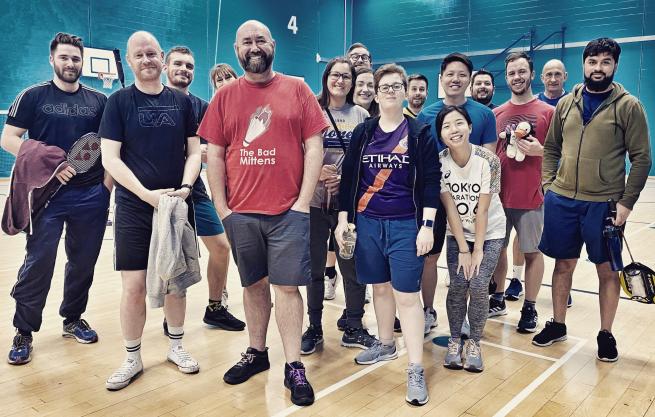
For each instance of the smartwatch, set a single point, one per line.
(428, 223)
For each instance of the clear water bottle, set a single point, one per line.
(349, 239)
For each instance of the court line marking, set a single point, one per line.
(370, 368)
(525, 392)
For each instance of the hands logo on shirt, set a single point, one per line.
(259, 122)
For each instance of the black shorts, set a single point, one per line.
(439, 231)
(132, 232)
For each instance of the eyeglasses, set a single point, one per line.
(385, 88)
(357, 57)
(336, 75)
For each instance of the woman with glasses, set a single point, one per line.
(364, 91)
(221, 75)
(475, 235)
(342, 115)
(390, 190)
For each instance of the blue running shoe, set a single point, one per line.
(514, 291)
(80, 331)
(21, 350)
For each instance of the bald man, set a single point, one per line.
(150, 147)
(268, 157)
(553, 76)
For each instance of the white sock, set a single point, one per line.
(133, 348)
(175, 335)
(517, 271)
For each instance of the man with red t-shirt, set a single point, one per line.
(267, 156)
(521, 124)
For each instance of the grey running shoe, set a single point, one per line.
(453, 358)
(417, 390)
(473, 361)
(430, 319)
(376, 353)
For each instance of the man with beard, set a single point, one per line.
(482, 88)
(553, 76)
(180, 67)
(150, 147)
(359, 56)
(57, 113)
(417, 92)
(456, 69)
(584, 166)
(520, 189)
(263, 164)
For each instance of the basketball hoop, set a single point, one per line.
(107, 79)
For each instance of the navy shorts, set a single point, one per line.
(569, 223)
(273, 246)
(386, 251)
(439, 230)
(207, 221)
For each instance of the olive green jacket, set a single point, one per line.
(587, 162)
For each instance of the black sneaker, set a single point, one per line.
(396, 325)
(497, 308)
(551, 333)
(217, 315)
(528, 321)
(342, 322)
(312, 337)
(606, 347)
(21, 350)
(358, 338)
(252, 362)
(295, 379)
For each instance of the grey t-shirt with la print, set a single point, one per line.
(346, 118)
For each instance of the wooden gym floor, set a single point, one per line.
(66, 378)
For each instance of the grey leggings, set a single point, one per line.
(477, 288)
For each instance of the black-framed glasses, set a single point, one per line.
(336, 75)
(358, 57)
(385, 88)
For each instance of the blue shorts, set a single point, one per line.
(569, 223)
(386, 251)
(207, 221)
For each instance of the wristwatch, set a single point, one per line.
(189, 186)
(428, 223)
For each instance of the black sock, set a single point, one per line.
(214, 302)
(531, 304)
(498, 296)
(25, 332)
(330, 272)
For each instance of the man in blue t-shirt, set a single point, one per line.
(150, 147)
(456, 70)
(180, 68)
(57, 113)
(553, 76)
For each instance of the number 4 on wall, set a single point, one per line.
(293, 26)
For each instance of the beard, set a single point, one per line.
(67, 77)
(526, 87)
(418, 101)
(260, 66)
(486, 100)
(601, 85)
(176, 82)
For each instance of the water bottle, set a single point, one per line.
(349, 239)
(613, 239)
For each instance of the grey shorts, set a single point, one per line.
(528, 224)
(276, 247)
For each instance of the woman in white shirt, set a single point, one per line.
(470, 183)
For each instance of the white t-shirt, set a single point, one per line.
(480, 175)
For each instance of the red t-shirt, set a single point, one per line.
(263, 128)
(521, 181)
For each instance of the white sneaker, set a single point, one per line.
(123, 376)
(180, 357)
(331, 287)
(367, 296)
(224, 297)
